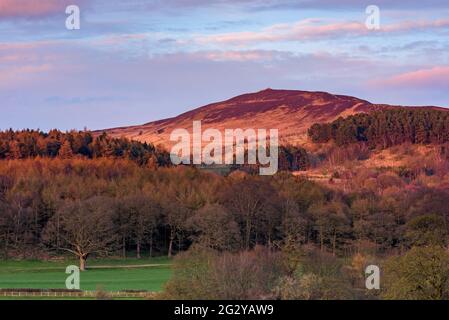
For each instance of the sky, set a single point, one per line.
(136, 61)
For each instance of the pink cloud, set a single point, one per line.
(33, 8)
(435, 77)
(302, 30)
(311, 29)
(241, 56)
(22, 74)
(416, 25)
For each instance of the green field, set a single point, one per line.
(107, 274)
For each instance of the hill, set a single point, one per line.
(290, 111)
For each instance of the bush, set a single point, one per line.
(421, 274)
(205, 274)
(307, 287)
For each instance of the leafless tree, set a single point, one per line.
(85, 227)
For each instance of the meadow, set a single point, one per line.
(107, 274)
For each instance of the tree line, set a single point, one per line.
(383, 129)
(66, 145)
(105, 206)
(26, 144)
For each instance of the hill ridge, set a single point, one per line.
(292, 112)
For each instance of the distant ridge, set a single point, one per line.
(292, 112)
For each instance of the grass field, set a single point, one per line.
(108, 274)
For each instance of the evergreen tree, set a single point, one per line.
(65, 152)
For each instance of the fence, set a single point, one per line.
(74, 293)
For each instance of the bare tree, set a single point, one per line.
(248, 199)
(215, 228)
(180, 200)
(145, 215)
(85, 227)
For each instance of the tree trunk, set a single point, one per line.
(151, 246)
(6, 245)
(83, 262)
(57, 231)
(170, 245)
(321, 239)
(124, 247)
(248, 234)
(138, 249)
(170, 248)
(334, 244)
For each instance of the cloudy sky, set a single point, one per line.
(136, 61)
